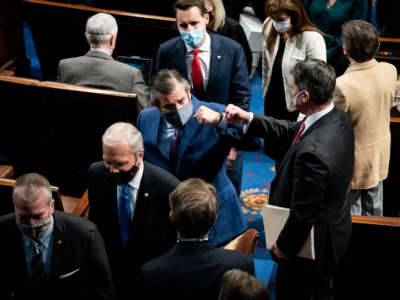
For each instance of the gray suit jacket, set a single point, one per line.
(99, 70)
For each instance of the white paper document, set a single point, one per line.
(274, 218)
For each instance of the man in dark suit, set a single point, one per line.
(313, 180)
(218, 73)
(97, 68)
(192, 269)
(176, 141)
(48, 254)
(129, 203)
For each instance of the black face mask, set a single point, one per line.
(210, 16)
(124, 177)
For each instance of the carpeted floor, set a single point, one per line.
(258, 172)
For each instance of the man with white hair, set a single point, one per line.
(48, 254)
(97, 68)
(128, 200)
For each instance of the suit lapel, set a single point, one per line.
(144, 195)
(179, 60)
(60, 240)
(314, 126)
(215, 61)
(191, 127)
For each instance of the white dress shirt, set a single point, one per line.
(204, 57)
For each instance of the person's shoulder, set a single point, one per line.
(97, 167)
(160, 175)
(233, 257)
(147, 113)
(156, 264)
(7, 219)
(389, 68)
(74, 225)
(171, 43)
(311, 35)
(225, 41)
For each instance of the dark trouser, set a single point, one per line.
(303, 279)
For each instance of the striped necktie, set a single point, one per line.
(38, 276)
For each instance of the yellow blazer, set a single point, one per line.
(366, 92)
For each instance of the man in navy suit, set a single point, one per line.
(222, 61)
(176, 141)
(192, 269)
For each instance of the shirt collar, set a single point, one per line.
(203, 48)
(45, 239)
(135, 182)
(100, 50)
(315, 117)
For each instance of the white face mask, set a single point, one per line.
(282, 26)
(294, 98)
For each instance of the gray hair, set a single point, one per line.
(100, 28)
(219, 14)
(122, 132)
(29, 186)
(164, 82)
(316, 77)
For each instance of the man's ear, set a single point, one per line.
(306, 97)
(113, 41)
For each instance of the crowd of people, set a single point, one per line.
(164, 200)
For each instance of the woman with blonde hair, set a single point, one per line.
(288, 37)
(221, 24)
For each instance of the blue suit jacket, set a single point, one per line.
(202, 153)
(228, 80)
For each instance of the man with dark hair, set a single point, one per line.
(128, 200)
(97, 68)
(312, 180)
(176, 140)
(48, 254)
(192, 269)
(366, 93)
(215, 66)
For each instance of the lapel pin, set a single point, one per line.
(218, 56)
(59, 242)
(146, 195)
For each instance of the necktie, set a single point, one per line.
(302, 126)
(173, 148)
(197, 77)
(124, 214)
(38, 279)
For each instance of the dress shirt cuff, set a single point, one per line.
(248, 123)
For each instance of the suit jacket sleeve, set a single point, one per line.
(340, 99)
(140, 89)
(310, 180)
(277, 134)
(99, 282)
(240, 93)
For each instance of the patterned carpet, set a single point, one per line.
(258, 173)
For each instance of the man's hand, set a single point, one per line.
(231, 157)
(236, 115)
(275, 250)
(205, 115)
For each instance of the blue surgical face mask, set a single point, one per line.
(192, 38)
(282, 26)
(178, 118)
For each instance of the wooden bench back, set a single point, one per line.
(58, 32)
(55, 129)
